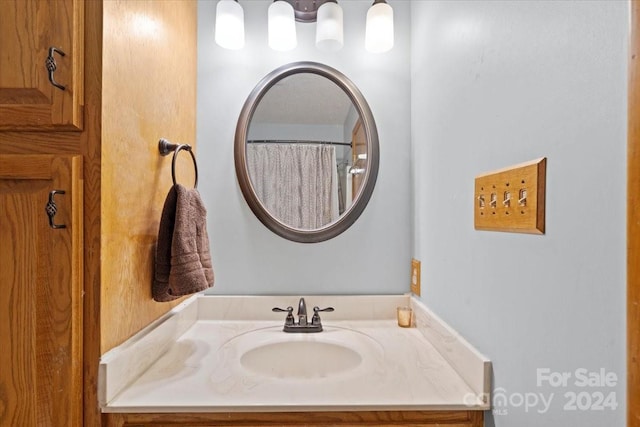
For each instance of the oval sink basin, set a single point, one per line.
(331, 354)
(300, 359)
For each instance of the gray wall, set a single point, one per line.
(495, 84)
(373, 255)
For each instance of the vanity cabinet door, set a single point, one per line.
(40, 291)
(28, 99)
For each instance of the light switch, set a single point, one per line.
(503, 212)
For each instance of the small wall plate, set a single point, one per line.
(415, 276)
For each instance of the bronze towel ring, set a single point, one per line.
(167, 147)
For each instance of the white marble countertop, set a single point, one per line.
(198, 369)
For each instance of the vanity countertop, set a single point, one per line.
(188, 362)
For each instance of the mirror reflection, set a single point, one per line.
(306, 151)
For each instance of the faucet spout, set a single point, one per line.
(302, 312)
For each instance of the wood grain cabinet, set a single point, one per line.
(40, 291)
(129, 77)
(28, 31)
(299, 419)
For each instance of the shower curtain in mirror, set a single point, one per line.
(297, 183)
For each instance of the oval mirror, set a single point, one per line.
(306, 152)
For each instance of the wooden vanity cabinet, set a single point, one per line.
(28, 99)
(315, 419)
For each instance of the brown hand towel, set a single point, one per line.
(183, 259)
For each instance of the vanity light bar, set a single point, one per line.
(282, 15)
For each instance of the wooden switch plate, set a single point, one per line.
(512, 199)
(415, 276)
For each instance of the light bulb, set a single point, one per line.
(329, 33)
(282, 26)
(229, 32)
(379, 30)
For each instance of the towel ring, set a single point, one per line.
(165, 147)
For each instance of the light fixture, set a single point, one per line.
(379, 30)
(329, 32)
(282, 26)
(229, 32)
(282, 17)
(355, 170)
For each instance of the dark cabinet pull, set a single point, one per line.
(51, 66)
(52, 209)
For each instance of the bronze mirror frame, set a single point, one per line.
(240, 153)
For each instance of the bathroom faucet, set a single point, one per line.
(303, 324)
(302, 312)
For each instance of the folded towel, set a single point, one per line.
(183, 259)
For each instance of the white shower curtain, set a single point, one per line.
(297, 183)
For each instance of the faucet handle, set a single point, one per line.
(315, 320)
(289, 320)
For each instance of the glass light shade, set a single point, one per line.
(229, 24)
(329, 33)
(379, 30)
(282, 26)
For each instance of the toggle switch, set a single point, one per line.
(522, 197)
(506, 202)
